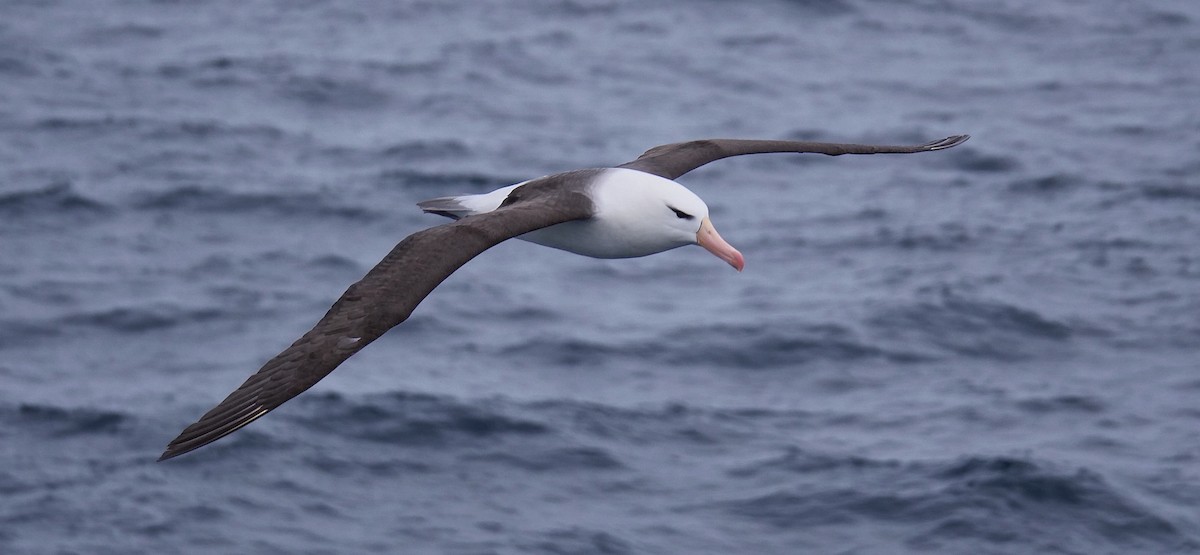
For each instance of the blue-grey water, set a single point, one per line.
(991, 349)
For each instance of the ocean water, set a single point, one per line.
(991, 349)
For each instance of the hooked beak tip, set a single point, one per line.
(738, 263)
(708, 238)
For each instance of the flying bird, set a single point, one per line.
(635, 209)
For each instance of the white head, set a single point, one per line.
(652, 214)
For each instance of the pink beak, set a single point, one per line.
(708, 238)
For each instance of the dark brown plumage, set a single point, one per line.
(675, 159)
(381, 300)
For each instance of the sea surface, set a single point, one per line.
(993, 349)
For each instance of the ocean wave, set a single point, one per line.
(51, 292)
(193, 129)
(1000, 17)
(571, 352)
(825, 7)
(1055, 498)
(774, 344)
(743, 346)
(15, 67)
(247, 271)
(943, 237)
(859, 215)
(225, 70)
(58, 199)
(795, 461)
(329, 92)
(333, 463)
(570, 433)
(142, 318)
(1047, 184)
(109, 35)
(209, 200)
(441, 183)
(557, 459)
(409, 150)
(1171, 192)
(995, 499)
(104, 124)
(583, 541)
(672, 423)
(1086, 404)
(413, 419)
(974, 327)
(21, 330)
(494, 434)
(971, 160)
(10, 484)
(173, 146)
(62, 422)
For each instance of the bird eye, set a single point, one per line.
(681, 214)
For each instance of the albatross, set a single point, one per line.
(631, 210)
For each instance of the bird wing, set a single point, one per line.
(379, 301)
(675, 159)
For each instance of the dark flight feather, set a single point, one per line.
(675, 159)
(382, 299)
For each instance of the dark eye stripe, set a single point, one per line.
(681, 213)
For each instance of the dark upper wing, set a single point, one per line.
(673, 160)
(380, 300)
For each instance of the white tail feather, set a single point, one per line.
(467, 205)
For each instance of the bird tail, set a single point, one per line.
(450, 207)
(466, 205)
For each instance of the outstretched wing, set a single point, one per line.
(675, 159)
(379, 301)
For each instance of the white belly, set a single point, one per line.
(595, 239)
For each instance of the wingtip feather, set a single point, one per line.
(196, 436)
(949, 142)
